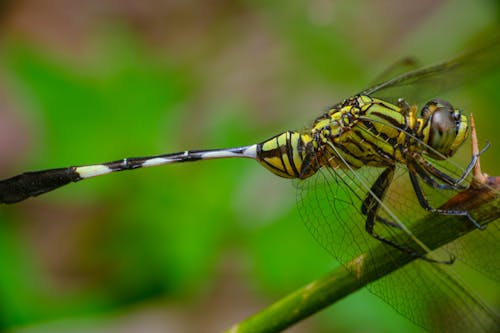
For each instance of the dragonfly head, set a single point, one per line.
(445, 128)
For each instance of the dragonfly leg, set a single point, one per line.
(369, 227)
(453, 183)
(371, 205)
(369, 202)
(428, 172)
(425, 203)
(471, 165)
(370, 208)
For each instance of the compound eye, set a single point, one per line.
(445, 123)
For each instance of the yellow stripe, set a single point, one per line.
(269, 145)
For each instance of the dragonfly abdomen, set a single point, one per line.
(288, 155)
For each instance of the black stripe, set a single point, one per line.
(386, 155)
(127, 164)
(281, 154)
(272, 166)
(268, 153)
(347, 152)
(357, 144)
(275, 152)
(289, 153)
(389, 105)
(431, 130)
(360, 158)
(308, 165)
(393, 142)
(189, 158)
(389, 119)
(369, 126)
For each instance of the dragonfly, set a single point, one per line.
(363, 170)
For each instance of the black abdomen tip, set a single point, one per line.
(31, 184)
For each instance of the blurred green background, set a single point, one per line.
(190, 247)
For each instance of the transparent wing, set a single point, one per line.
(432, 298)
(432, 81)
(402, 66)
(330, 204)
(479, 250)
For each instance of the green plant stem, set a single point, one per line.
(482, 202)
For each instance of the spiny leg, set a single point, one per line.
(371, 205)
(378, 189)
(451, 183)
(425, 203)
(472, 163)
(428, 177)
(370, 208)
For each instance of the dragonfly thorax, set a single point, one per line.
(362, 131)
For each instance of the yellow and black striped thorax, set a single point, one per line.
(365, 131)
